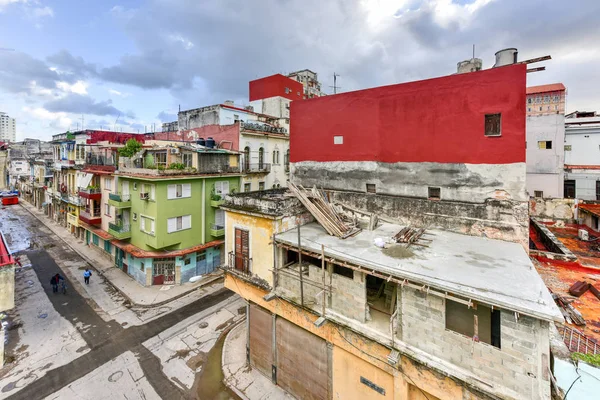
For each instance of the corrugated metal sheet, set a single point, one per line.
(261, 339)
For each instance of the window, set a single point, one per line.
(597, 190)
(107, 183)
(95, 239)
(246, 158)
(529, 100)
(135, 216)
(338, 140)
(556, 98)
(493, 125)
(261, 158)
(287, 90)
(538, 193)
(179, 191)
(222, 188)
(538, 99)
(371, 188)
(107, 209)
(236, 117)
(247, 187)
(545, 144)
(261, 186)
(134, 185)
(142, 266)
(275, 156)
(343, 271)
(179, 223)
(160, 159)
(570, 189)
(567, 147)
(147, 225)
(529, 109)
(546, 99)
(187, 160)
(540, 108)
(478, 322)
(434, 193)
(150, 189)
(187, 261)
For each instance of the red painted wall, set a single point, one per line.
(225, 136)
(275, 85)
(435, 120)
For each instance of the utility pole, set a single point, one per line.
(335, 86)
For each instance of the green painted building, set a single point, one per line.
(168, 225)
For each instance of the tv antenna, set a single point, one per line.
(335, 86)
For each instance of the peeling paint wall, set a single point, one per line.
(553, 209)
(198, 117)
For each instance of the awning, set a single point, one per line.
(85, 180)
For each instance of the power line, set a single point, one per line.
(335, 87)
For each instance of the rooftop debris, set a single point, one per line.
(411, 236)
(324, 212)
(579, 288)
(595, 291)
(569, 312)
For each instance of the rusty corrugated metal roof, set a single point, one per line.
(553, 87)
(590, 208)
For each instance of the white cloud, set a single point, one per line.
(58, 119)
(4, 3)
(40, 12)
(117, 93)
(79, 87)
(187, 44)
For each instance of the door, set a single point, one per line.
(125, 190)
(261, 339)
(201, 264)
(87, 238)
(242, 250)
(119, 257)
(302, 365)
(163, 271)
(569, 189)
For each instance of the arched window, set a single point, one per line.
(275, 156)
(261, 158)
(286, 160)
(247, 158)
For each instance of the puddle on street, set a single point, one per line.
(209, 382)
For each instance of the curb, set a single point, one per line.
(101, 273)
(230, 386)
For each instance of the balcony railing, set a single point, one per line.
(119, 200)
(217, 230)
(240, 263)
(91, 217)
(258, 168)
(90, 191)
(120, 230)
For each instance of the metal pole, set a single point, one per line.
(323, 270)
(275, 263)
(300, 265)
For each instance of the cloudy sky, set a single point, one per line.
(130, 64)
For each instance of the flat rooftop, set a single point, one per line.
(490, 271)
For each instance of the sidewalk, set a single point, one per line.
(138, 295)
(243, 380)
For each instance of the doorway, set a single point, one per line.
(242, 250)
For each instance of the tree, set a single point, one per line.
(131, 147)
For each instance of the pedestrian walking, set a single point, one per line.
(86, 276)
(55, 281)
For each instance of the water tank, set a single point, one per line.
(506, 57)
(210, 143)
(201, 142)
(472, 65)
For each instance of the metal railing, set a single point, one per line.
(89, 215)
(90, 190)
(119, 197)
(256, 168)
(119, 227)
(577, 342)
(240, 263)
(217, 227)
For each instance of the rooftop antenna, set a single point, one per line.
(115, 124)
(473, 52)
(335, 87)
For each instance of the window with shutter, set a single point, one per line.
(187, 221)
(142, 224)
(171, 225)
(220, 218)
(152, 192)
(186, 190)
(178, 191)
(171, 191)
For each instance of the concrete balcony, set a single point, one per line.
(73, 219)
(217, 230)
(119, 200)
(92, 194)
(120, 231)
(94, 218)
(217, 203)
(258, 168)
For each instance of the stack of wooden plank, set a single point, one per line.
(319, 206)
(411, 236)
(572, 316)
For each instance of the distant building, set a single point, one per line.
(276, 86)
(170, 126)
(8, 128)
(582, 155)
(545, 140)
(310, 81)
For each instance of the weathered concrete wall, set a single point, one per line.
(349, 296)
(519, 365)
(7, 288)
(497, 219)
(553, 209)
(473, 183)
(585, 182)
(198, 117)
(545, 167)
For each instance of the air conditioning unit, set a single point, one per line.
(584, 235)
(174, 151)
(144, 196)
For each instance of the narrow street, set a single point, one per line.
(105, 349)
